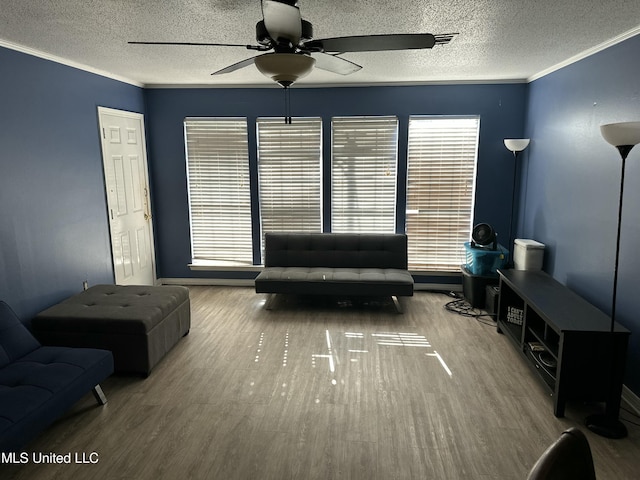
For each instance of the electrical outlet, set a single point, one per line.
(85, 285)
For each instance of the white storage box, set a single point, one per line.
(528, 254)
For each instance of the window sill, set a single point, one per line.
(219, 266)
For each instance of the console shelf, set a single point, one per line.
(565, 339)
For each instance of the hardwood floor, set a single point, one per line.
(321, 390)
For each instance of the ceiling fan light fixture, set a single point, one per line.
(284, 68)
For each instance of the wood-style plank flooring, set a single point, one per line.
(314, 389)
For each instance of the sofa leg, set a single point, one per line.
(99, 394)
(396, 302)
(268, 303)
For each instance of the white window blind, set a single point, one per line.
(289, 157)
(442, 157)
(219, 196)
(363, 174)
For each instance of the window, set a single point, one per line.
(363, 171)
(441, 165)
(442, 156)
(289, 157)
(219, 190)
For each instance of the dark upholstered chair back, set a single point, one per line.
(337, 250)
(568, 457)
(15, 340)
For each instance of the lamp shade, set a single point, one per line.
(516, 144)
(284, 68)
(623, 133)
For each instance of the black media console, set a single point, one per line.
(565, 339)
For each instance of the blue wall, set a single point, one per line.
(571, 182)
(500, 107)
(53, 229)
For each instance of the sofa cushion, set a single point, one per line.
(15, 339)
(334, 281)
(336, 250)
(344, 275)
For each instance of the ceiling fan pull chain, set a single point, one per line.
(287, 106)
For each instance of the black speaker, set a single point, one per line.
(491, 300)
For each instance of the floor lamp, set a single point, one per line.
(624, 136)
(515, 145)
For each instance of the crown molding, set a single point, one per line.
(586, 53)
(303, 85)
(69, 63)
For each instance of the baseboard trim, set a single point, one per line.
(447, 287)
(215, 282)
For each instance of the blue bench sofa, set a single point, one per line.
(38, 384)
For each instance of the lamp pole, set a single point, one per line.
(624, 136)
(515, 145)
(513, 206)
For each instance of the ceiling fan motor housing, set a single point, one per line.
(263, 38)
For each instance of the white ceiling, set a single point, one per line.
(499, 40)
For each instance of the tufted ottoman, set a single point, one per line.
(139, 324)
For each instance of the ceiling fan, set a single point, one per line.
(292, 52)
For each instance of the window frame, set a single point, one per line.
(212, 154)
(365, 148)
(306, 203)
(449, 250)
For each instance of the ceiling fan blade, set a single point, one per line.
(373, 43)
(196, 44)
(282, 21)
(334, 64)
(235, 66)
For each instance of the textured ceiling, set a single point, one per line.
(499, 40)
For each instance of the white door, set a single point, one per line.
(124, 159)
